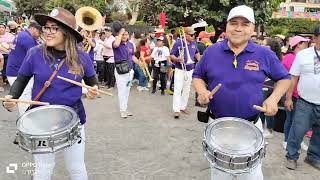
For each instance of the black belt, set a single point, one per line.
(183, 70)
(252, 119)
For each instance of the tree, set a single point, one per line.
(187, 12)
(29, 7)
(74, 5)
(133, 7)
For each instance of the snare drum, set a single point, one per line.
(48, 129)
(233, 145)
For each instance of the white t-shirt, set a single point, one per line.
(307, 66)
(98, 51)
(160, 54)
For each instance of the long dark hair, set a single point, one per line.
(275, 47)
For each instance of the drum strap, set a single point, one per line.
(48, 82)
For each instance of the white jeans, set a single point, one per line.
(254, 174)
(74, 161)
(181, 89)
(26, 95)
(124, 82)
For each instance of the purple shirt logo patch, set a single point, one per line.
(252, 65)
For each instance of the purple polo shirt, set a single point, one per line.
(242, 86)
(193, 50)
(59, 92)
(125, 51)
(23, 42)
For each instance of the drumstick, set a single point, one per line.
(259, 108)
(25, 101)
(214, 90)
(83, 85)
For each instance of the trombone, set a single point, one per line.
(89, 19)
(189, 60)
(181, 55)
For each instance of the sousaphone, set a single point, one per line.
(89, 19)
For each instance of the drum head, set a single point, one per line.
(233, 136)
(46, 120)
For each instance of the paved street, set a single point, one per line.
(151, 145)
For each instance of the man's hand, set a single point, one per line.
(122, 31)
(270, 106)
(204, 97)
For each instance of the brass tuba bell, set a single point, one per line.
(89, 19)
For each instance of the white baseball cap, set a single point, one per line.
(242, 11)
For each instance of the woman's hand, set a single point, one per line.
(92, 93)
(10, 106)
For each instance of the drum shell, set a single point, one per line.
(51, 141)
(232, 162)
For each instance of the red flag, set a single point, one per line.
(162, 19)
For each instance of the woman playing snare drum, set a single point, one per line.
(61, 45)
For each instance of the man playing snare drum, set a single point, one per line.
(241, 67)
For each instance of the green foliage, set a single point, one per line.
(141, 23)
(292, 26)
(74, 5)
(184, 12)
(211, 29)
(119, 16)
(29, 7)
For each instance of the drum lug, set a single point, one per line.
(231, 164)
(204, 146)
(249, 164)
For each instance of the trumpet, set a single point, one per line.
(89, 19)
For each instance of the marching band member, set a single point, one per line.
(90, 42)
(59, 53)
(25, 40)
(124, 56)
(241, 67)
(183, 75)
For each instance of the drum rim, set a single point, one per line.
(218, 120)
(75, 118)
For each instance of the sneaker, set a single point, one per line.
(123, 114)
(129, 113)
(291, 164)
(170, 92)
(162, 93)
(153, 91)
(139, 88)
(176, 115)
(267, 134)
(284, 145)
(312, 163)
(304, 146)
